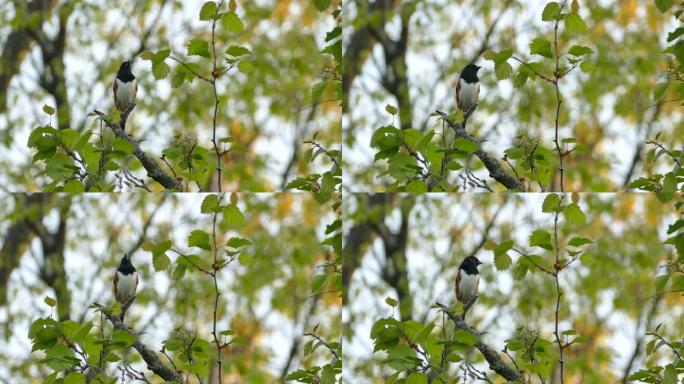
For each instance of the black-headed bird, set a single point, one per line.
(468, 88)
(125, 87)
(125, 283)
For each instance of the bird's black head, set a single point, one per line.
(469, 73)
(125, 266)
(125, 74)
(469, 265)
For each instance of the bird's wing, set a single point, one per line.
(458, 91)
(115, 87)
(458, 281)
(116, 274)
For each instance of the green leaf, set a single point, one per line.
(160, 56)
(574, 23)
(574, 215)
(123, 146)
(50, 301)
(465, 145)
(551, 11)
(74, 186)
(465, 337)
(502, 56)
(670, 375)
(237, 242)
(542, 47)
(210, 204)
(416, 378)
(160, 261)
(392, 110)
(502, 261)
(541, 238)
(317, 282)
(579, 241)
(660, 282)
(391, 302)
(198, 47)
(664, 5)
(233, 22)
(321, 5)
(237, 51)
(659, 90)
(578, 50)
(503, 71)
(199, 238)
(233, 217)
(552, 203)
(209, 11)
(74, 378)
(122, 339)
(48, 109)
(161, 70)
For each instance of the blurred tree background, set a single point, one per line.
(618, 84)
(283, 286)
(271, 63)
(622, 278)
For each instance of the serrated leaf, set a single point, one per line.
(542, 47)
(503, 71)
(541, 238)
(579, 241)
(551, 11)
(578, 50)
(161, 70)
(502, 261)
(199, 238)
(574, 215)
(465, 145)
(552, 203)
(574, 23)
(210, 204)
(233, 217)
(209, 11)
(160, 261)
(237, 51)
(237, 242)
(198, 47)
(233, 22)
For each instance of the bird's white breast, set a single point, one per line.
(125, 93)
(126, 286)
(468, 93)
(468, 286)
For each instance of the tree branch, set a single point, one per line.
(154, 170)
(495, 361)
(153, 362)
(495, 169)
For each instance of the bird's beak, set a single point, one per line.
(478, 67)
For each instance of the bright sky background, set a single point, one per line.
(82, 263)
(81, 68)
(423, 271)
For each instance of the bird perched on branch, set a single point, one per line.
(125, 284)
(468, 88)
(467, 281)
(125, 87)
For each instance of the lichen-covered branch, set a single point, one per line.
(495, 361)
(154, 170)
(495, 168)
(149, 356)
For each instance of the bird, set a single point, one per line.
(125, 283)
(467, 279)
(468, 88)
(125, 87)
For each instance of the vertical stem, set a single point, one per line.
(214, 76)
(557, 269)
(216, 298)
(557, 75)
